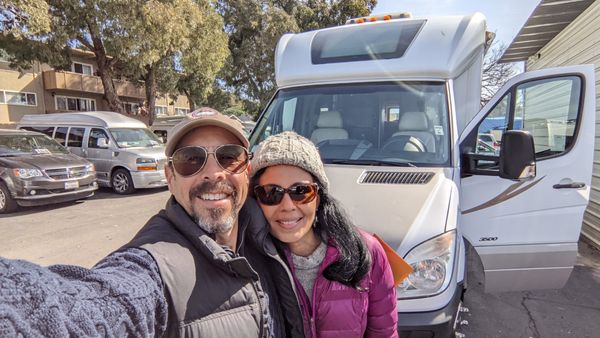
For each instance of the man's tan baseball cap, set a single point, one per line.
(204, 116)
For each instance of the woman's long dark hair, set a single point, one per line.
(354, 260)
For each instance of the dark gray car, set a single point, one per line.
(36, 170)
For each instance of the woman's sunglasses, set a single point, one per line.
(188, 161)
(272, 194)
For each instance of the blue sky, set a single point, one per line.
(504, 17)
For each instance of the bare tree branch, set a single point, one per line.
(495, 74)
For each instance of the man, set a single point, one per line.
(202, 267)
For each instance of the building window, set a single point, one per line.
(160, 110)
(134, 108)
(82, 68)
(181, 111)
(18, 98)
(130, 108)
(66, 103)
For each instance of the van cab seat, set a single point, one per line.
(416, 124)
(329, 127)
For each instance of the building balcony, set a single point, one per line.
(54, 79)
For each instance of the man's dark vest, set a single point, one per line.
(209, 292)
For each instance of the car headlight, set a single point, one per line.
(432, 263)
(27, 172)
(90, 168)
(146, 164)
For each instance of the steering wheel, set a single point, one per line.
(404, 143)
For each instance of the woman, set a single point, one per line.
(343, 279)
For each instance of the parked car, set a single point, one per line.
(36, 170)
(127, 155)
(487, 143)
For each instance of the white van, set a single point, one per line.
(127, 155)
(394, 107)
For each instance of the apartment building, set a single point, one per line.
(43, 90)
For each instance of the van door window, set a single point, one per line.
(75, 137)
(492, 127)
(546, 108)
(96, 134)
(44, 130)
(61, 135)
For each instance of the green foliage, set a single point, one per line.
(237, 111)
(24, 18)
(172, 45)
(255, 26)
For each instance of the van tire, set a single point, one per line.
(7, 203)
(121, 182)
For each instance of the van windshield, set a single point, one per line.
(401, 123)
(13, 145)
(134, 137)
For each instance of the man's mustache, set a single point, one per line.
(211, 186)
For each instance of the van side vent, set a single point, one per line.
(394, 177)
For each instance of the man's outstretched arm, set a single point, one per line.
(121, 296)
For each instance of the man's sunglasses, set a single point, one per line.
(188, 161)
(272, 194)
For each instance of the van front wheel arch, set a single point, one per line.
(121, 182)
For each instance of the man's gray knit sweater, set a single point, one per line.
(121, 296)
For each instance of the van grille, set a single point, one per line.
(394, 177)
(65, 173)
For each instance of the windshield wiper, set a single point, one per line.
(372, 162)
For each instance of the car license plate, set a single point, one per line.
(72, 185)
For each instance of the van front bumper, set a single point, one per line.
(431, 324)
(148, 179)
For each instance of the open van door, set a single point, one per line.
(526, 228)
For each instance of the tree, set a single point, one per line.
(315, 14)
(253, 37)
(73, 23)
(254, 28)
(24, 18)
(179, 42)
(495, 74)
(158, 41)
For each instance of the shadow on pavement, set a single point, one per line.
(572, 311)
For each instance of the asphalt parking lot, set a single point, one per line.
(82, 232)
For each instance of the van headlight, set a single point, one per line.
(146, 164)
(432, 263)
(27, 172)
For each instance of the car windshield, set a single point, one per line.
(401, 123)
(134, 138)
(12, 145)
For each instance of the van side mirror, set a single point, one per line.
(517, 155)
(102, 143)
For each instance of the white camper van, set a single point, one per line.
(394, 106)
(127, 155)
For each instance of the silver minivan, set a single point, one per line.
(126, 153)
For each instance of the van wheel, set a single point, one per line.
(7, 203)
(121, 182)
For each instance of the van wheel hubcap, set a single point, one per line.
(2, 200)
(120, 182)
